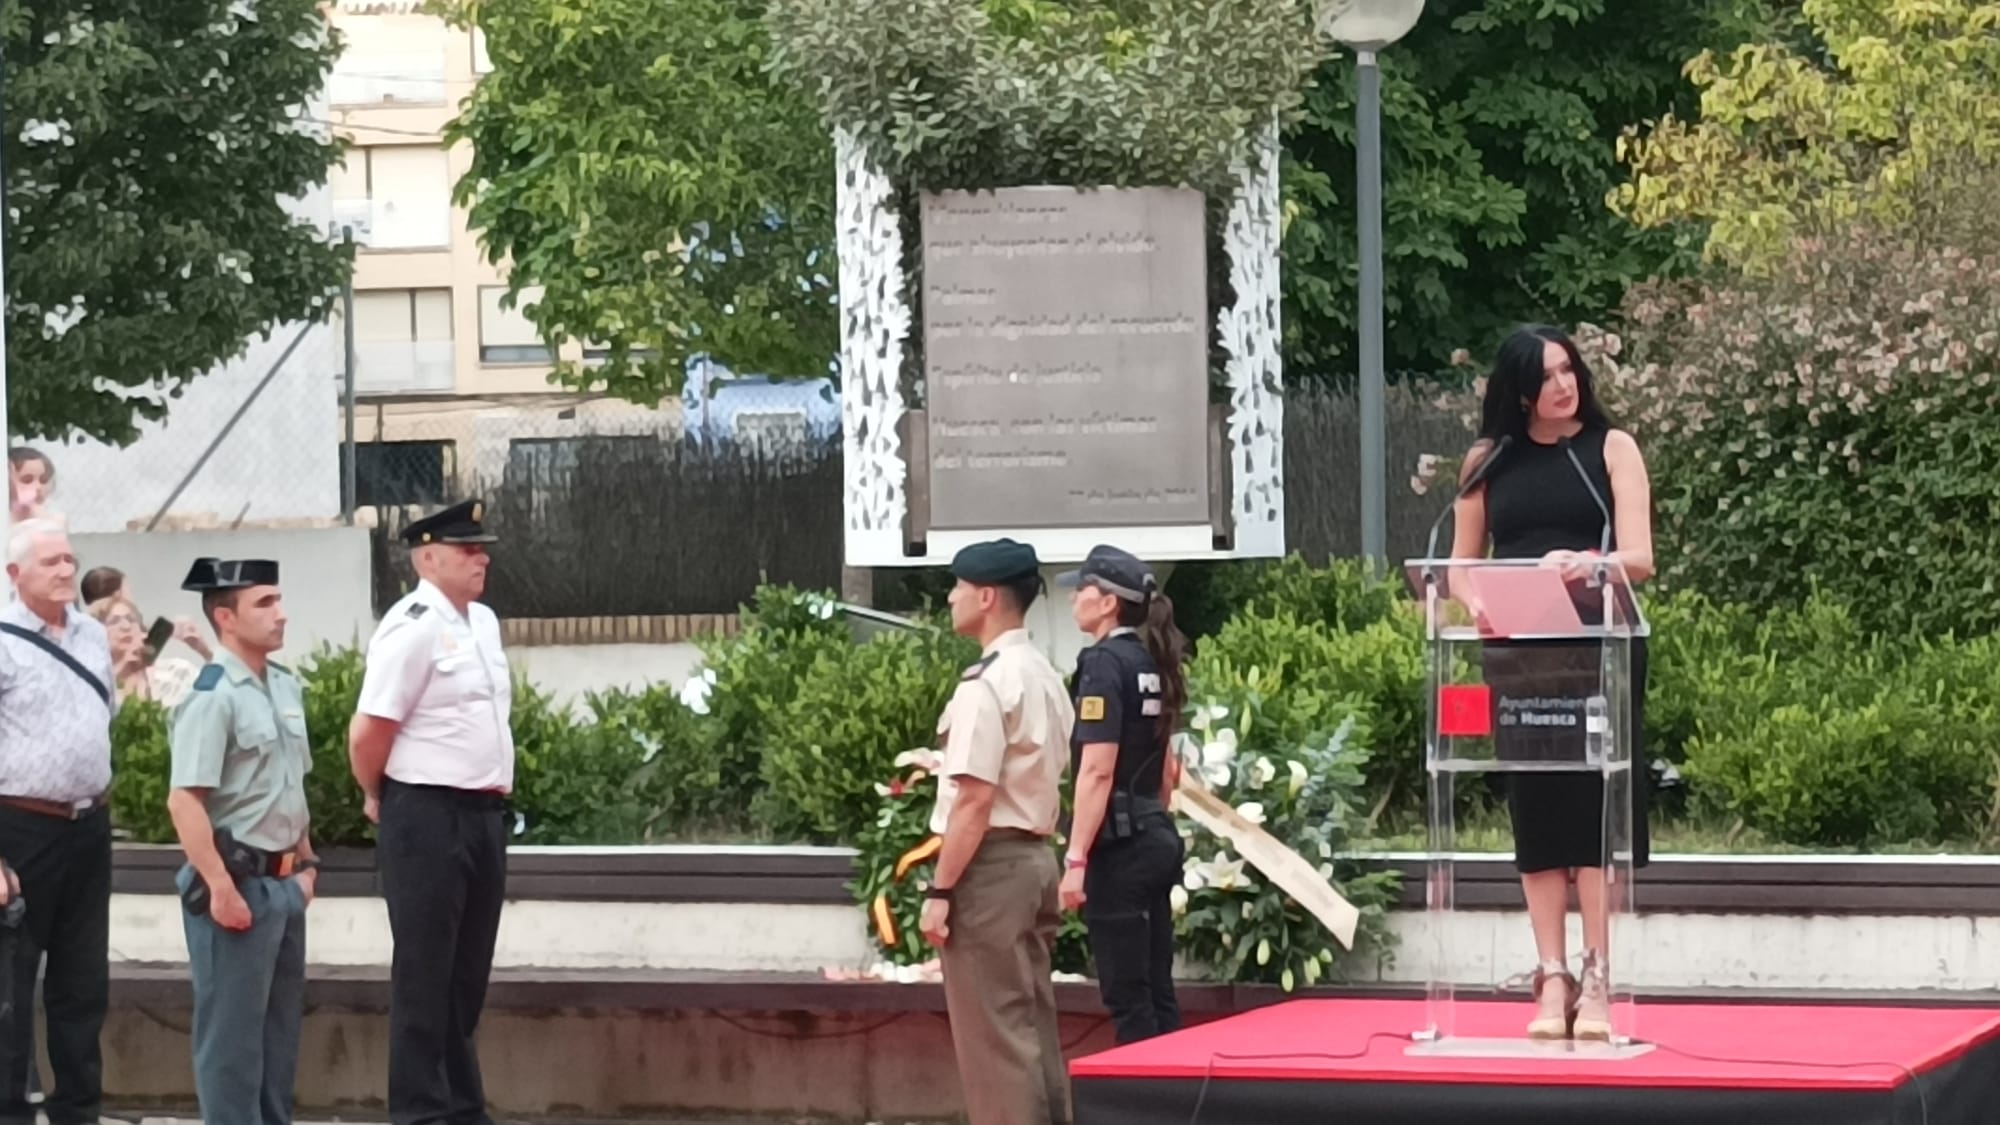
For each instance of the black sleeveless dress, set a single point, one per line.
(1537, 503)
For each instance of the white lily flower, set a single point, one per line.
(1298, 776)
(1178, 899)
(1251, 811)
(924, 758)
(1216, 754)
(1207, 715)
(1222, 873)
(694, 693)
(1260, 773)
(1223, 743)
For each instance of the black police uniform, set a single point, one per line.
(1137, 857)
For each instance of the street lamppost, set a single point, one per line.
(1367, 26)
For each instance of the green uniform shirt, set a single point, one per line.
(244, 740)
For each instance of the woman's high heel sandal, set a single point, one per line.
(1593, 1007)
(1555, 1001)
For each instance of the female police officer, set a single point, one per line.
(1124, 854)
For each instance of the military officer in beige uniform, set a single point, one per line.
(991, 908)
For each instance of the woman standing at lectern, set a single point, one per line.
(1534, 503)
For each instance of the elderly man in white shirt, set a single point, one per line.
(56, 706)
(432, 749)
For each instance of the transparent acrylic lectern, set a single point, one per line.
(1529, 672)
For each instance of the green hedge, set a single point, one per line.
(1795, 724)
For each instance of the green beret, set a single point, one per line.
(995, 562)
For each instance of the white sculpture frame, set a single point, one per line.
(875, 321)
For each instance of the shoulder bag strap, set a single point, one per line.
(56, 651)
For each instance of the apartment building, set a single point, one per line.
(450, 385)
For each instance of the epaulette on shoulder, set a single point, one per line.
(979, 669)
(416, 610)
(211, 675)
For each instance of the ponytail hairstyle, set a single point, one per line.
(1168, 647)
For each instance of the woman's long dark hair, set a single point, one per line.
(1516, 382)
(1168, 647)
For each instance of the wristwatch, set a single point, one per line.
(942, 894)
(1076, 863)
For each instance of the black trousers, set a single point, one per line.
(65, 872)
(443, 855)
(1130, 917)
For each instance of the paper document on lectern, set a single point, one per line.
(1280, 864)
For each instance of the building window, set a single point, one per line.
(482, 63)
(402, 341)
(505, 334)
(403, 190)
(395, 62)
(401, 472)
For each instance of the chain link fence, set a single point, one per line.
(609, 509)
(253, 444)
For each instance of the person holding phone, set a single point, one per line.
(135, 653)
(101, 582)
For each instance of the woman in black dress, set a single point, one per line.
(1535, 504)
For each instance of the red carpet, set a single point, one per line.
(1744, 1051)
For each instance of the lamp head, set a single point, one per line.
(1368, 25)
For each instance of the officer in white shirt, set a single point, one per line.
(433, 752)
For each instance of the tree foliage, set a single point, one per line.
(1886, 96)
(1500, 121)
(633, 159)
(149, 147)
(951, 94)
(1832, 421)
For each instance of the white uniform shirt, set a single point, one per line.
(443, 677)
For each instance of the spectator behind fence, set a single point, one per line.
(31, 477)
(103, 582)
(141, 673)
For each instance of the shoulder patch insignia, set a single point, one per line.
(980, 668)
(1090, 709)
(211, 675)
(417, 609)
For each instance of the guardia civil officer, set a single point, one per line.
(238, 799)
(434, 754)
(1124, 856)
(991, 907)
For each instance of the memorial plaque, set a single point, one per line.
(1066, 358)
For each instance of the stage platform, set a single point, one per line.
(1348, 1061)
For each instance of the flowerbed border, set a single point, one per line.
(1677, 884)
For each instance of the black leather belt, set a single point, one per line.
(61, 810)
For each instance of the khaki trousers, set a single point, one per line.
(1004, 918)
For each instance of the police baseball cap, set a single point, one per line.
(1115, 572)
